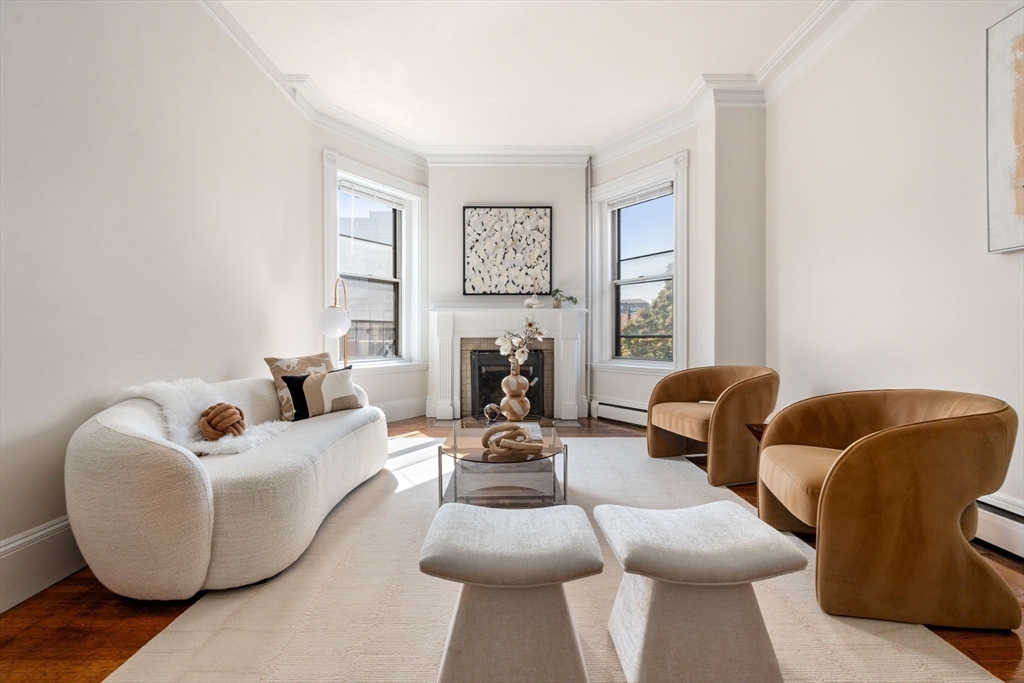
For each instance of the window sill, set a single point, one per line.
(385, 367)
(652, 368)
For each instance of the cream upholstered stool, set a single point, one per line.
(685, 610)
(512, 621)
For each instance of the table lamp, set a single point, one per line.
(335, 321)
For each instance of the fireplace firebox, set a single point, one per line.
(488, 368)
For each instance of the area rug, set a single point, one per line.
(355, 607)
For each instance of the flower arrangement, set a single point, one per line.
(516, 345)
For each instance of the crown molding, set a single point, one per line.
(824, 28)
(310, 100)
(473, 155)
(707, 92)
(830, 22)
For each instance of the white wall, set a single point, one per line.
(877, 270)
(739, 236)
(162, 218)
(452, 187)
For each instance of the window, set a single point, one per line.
(369, 229)
(644, 235)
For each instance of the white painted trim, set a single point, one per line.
(826, 26)
(1005, 502)
(707, 92)
(402, 409)
(830, 22)
(458, 155)
(1001, 532)
(305, 95)
(36, 559)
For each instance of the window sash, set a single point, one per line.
(614, 207)
(373, 326)
(641, 197)
(371, 195)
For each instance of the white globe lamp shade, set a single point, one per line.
(334, 322)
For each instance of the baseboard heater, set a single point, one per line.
(1001, 528)
(636, 416)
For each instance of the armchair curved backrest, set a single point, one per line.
(741, 394)
(898, 504)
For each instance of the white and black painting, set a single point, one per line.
(506, 250)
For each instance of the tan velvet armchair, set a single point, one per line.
(888, 480)
(706, 410)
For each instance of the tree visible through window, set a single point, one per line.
(644, 266)
(368, 261)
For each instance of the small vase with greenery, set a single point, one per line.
(559, 296)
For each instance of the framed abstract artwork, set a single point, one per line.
(1005, 133)
(506, 250)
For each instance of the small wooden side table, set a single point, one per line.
(757, 430)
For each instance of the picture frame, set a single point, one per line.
(506, 250)
(1004, 133)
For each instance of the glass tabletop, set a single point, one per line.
(465, 441)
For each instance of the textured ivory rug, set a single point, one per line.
(354, 607)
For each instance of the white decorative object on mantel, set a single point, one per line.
(450, 323)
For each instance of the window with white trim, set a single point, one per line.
(643, 230)
(369, 260)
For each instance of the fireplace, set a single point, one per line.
(482, 368)
(488, 368)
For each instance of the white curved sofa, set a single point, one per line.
(155, 522)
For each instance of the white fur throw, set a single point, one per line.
(182, 402)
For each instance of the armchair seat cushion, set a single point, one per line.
(795, 474)
(688, 419)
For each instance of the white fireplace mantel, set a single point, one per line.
(449, 323)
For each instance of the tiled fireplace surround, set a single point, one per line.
(452, 324)
(470, 344)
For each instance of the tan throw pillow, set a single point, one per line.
(304, 365)
(323, 392)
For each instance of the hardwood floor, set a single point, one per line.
(77, 630)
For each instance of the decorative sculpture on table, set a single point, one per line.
(516, 347)
(506, 439)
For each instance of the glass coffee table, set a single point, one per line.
(482, 477)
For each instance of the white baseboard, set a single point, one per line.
(36, 559)
(1006, 502)
(403, 409)
(1001, 532)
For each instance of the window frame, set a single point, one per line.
(397, 219)
(618, 282)
(603, 269)
(410, 257)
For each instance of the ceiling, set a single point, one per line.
(515, 73)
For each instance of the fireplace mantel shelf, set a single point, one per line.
(499, 308)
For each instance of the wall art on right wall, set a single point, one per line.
(1005, 131)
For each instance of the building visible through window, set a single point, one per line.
(368, 260)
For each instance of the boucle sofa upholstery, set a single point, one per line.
(156, 522)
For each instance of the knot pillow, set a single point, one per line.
(221, 419)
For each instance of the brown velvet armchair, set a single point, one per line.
(706, 410)
(888, 480)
